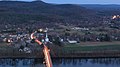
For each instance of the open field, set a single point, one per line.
(99, 43)
(83, 46)
(84, 49)
(93, 46)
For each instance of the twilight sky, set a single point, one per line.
(81, 1)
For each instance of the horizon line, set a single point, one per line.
(68, 3)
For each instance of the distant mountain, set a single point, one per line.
(39, 11)
(102, 7)
(108, 9)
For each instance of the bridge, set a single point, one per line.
(46, 51)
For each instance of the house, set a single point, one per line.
(71, 41)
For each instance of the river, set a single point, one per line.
(98, 62)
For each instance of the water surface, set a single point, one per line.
(100, 62)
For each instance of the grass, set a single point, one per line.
(70, 48)
(78, 48)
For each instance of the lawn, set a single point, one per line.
(95, 47)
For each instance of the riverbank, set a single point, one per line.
(66, 51)
(75, 55)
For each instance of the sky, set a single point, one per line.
(81, 1)
(85, 1)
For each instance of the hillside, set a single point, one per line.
(104, 9)
(15, 12)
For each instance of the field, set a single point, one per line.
(83, 46)
(93, 46)
(83, 49)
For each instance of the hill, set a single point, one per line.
(18, 12)
(104, 9)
